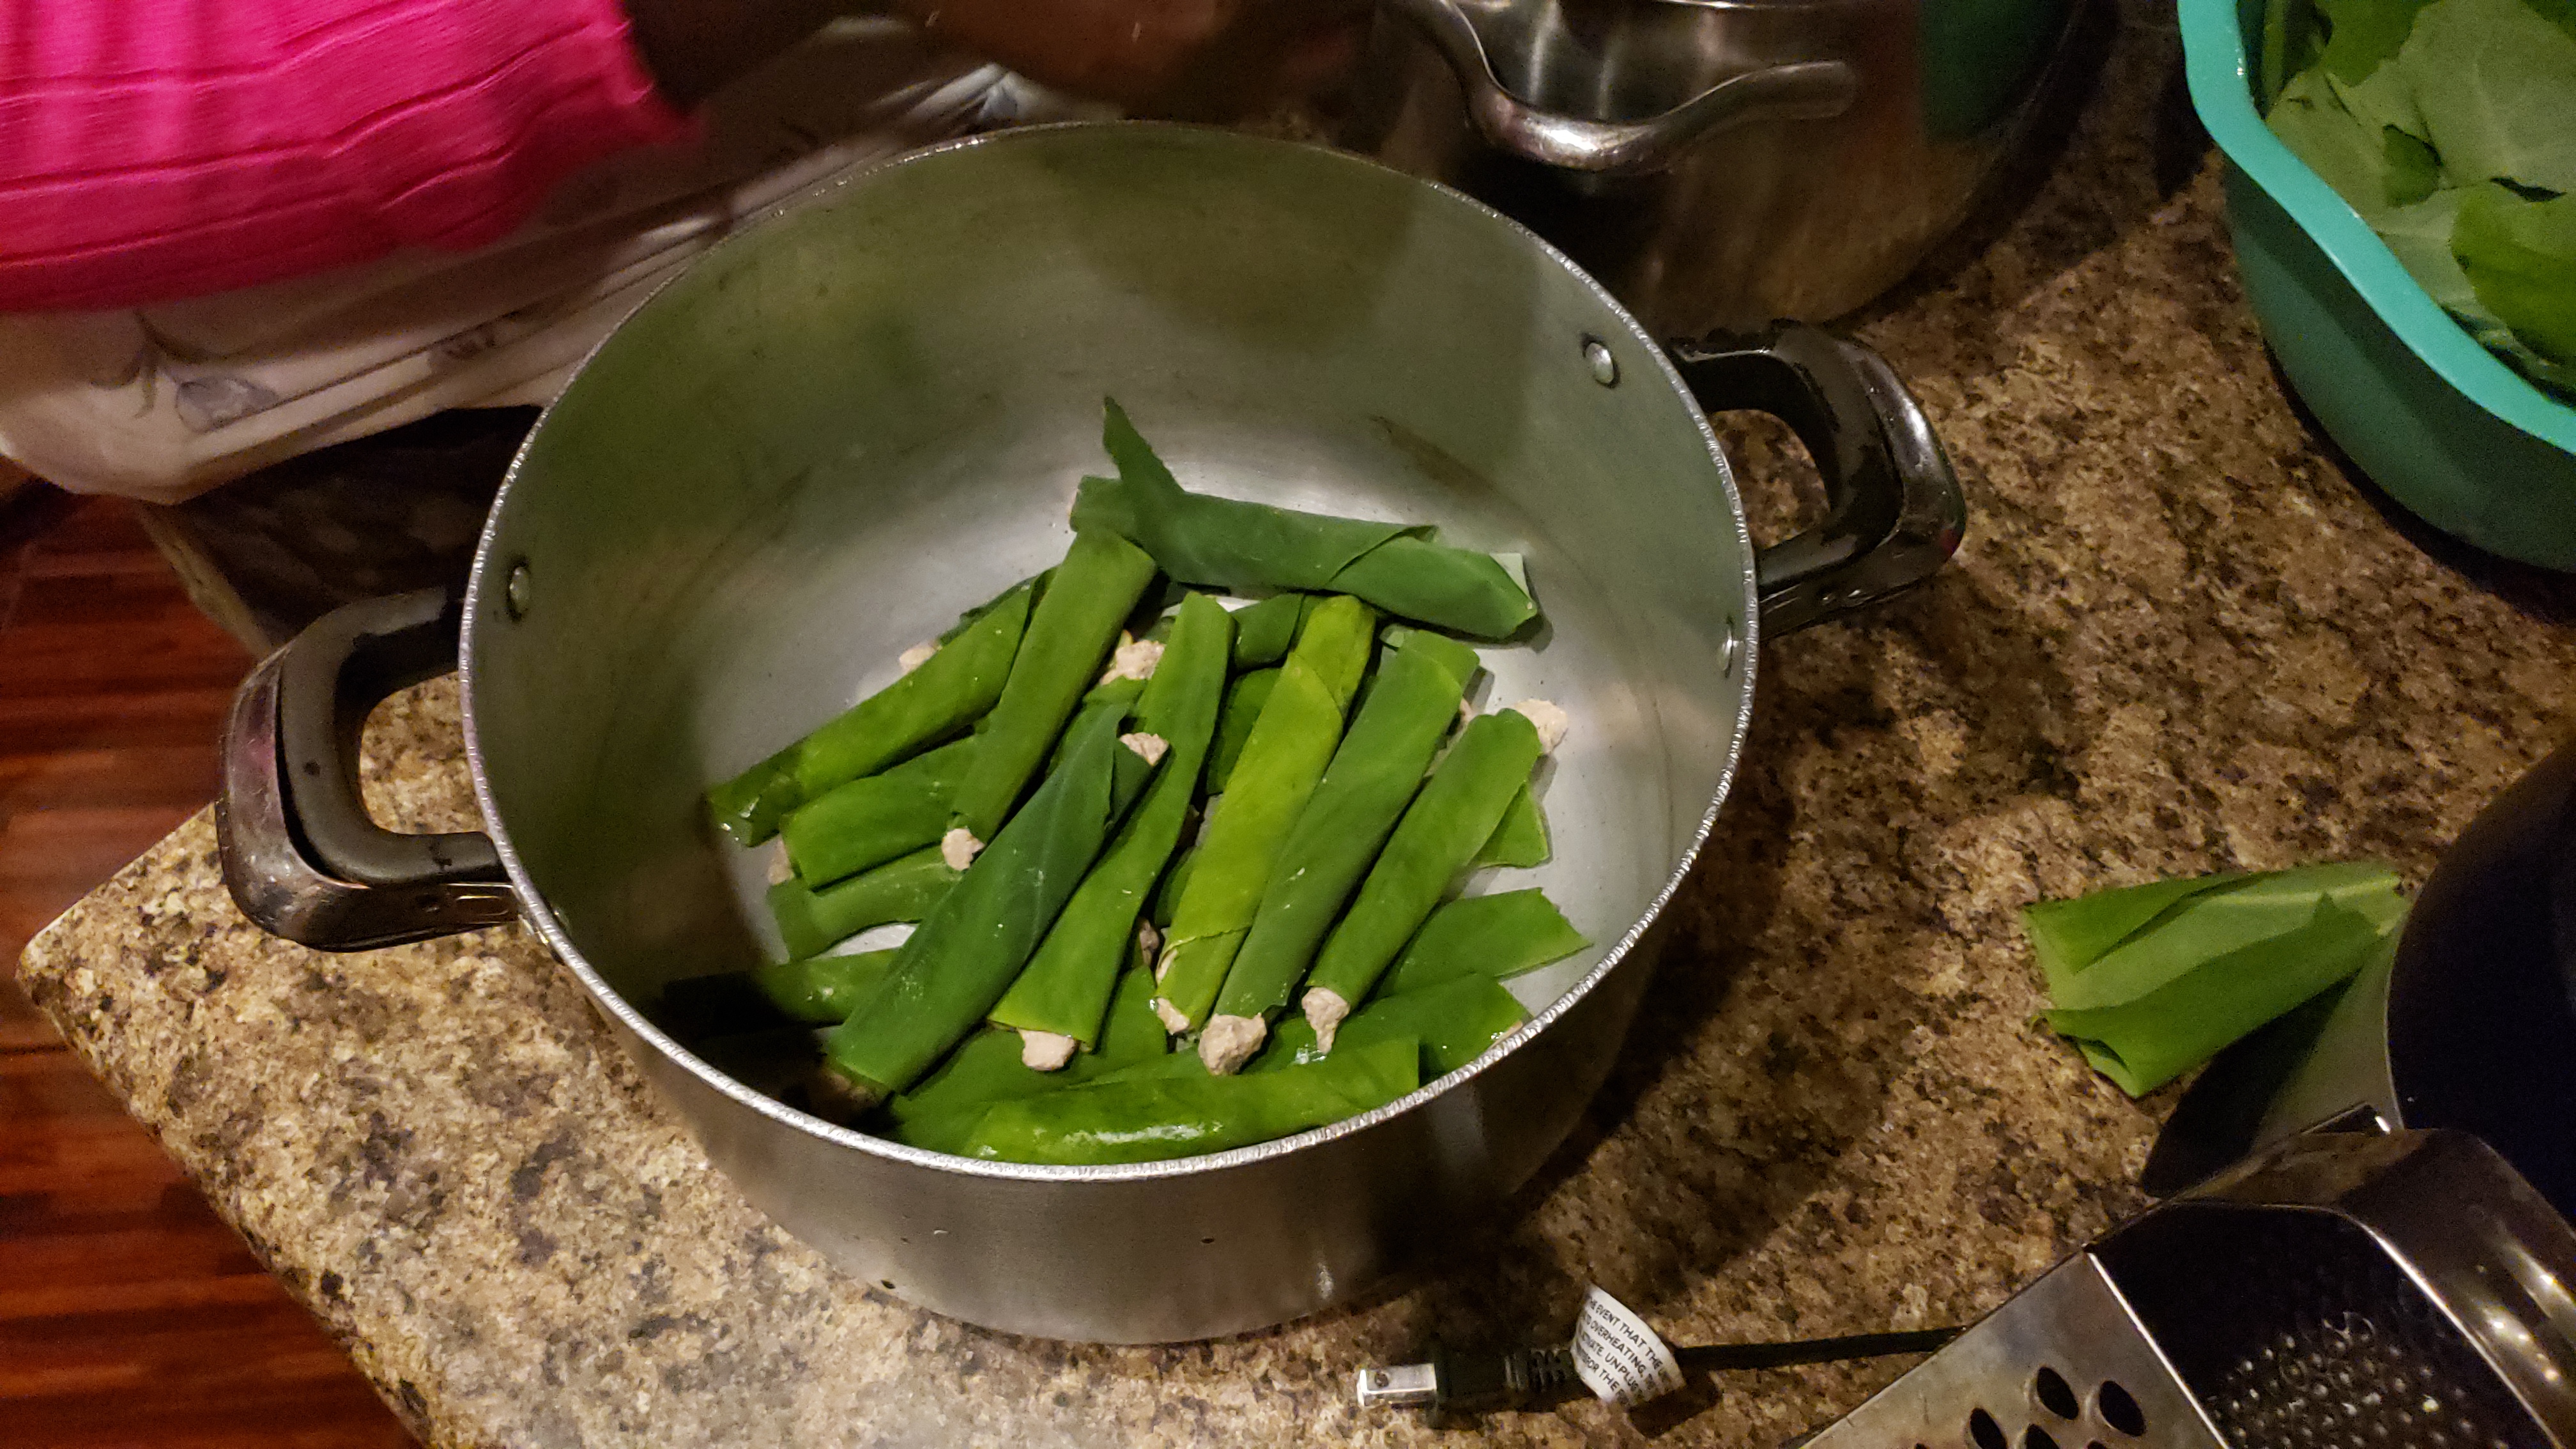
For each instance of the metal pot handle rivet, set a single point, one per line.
(1604, 364)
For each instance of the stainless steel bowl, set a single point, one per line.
(831, 434)
(1717, 163)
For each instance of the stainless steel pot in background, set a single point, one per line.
(1716, 163)
(838, 430)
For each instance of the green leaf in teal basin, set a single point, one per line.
(2520, 255)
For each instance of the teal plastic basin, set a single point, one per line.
(2441, 424)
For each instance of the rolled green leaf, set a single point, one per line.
(1110, 694)
(1454, 1021)
(1068, 640)
(871, 820)
(2143, 1044)
(1454, 815)
(948, 692)
(1133, 1033)
(1282, 762)
(1375, 773)
(2069, 935)
(984, 1069)
(2201, 963)
(1067, 985)
(947, 1102)
(2210, 922)
(1499, 936)
(1221, 542)
(1263, 631)
(822, 989)
(1032, 588)
(1151, 1119)
(906, 888)
(988, 1067)
(1176, 880)
(1521, 837)
(951, 970)
(1243, 702)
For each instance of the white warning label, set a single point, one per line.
(1618, 1357)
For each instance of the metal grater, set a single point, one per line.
(2344, 1291)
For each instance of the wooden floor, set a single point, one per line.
(129, 1314)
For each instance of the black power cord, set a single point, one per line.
(1453, 1382)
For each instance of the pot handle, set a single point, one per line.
(300, 855)
(1799, 90)
(1894, 511)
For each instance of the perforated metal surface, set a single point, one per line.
(2296, 1330)
(2213, 1323)
(2064, 1365)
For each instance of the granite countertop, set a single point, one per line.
(2178, 639)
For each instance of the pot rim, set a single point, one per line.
(540, 913)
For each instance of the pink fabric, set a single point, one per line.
(154, 149)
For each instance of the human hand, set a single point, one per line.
(1177, 57)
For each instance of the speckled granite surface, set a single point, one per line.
(2178, 639)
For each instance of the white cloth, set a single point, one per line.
(166, 402)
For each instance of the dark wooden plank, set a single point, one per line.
(129, 1312)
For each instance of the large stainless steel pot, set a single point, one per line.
(831, 434)
(1718, 163)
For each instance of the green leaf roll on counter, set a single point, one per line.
(871, 820)
(822, 989)
(1499, 936)
(1282, 762)
(907, 888)
(952, 969)
(1221, 542)
(1454, 1021)
(1067, 986)
(1153, 1118)
(1068, 638)
(949, 691)
(2152, 980)
(1453, 816)
(1374, 774)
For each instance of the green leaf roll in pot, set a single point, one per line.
(823, 989)
(1441, 831)
(1498, 935)
(1264, 630)
(951, 970)
(1282, 762)
(1066, 989)
(1200, 539)
(943, 695)
(1521, 839)
(812, 921)
(1244, 699)
(1069, 636)
(1142, 1120)
(1374, 773)
(1454, 1021)
(873, 819)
